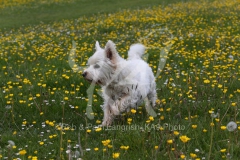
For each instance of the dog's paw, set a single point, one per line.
(106, 123)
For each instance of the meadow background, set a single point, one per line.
(43, 100)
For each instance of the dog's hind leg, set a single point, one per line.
(152, 96)
(149, 107)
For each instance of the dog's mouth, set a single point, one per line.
(97, 82)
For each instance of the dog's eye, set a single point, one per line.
(96, 66)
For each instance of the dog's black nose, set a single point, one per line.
(84, 74)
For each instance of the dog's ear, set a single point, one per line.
(97, 46)
(111, 52)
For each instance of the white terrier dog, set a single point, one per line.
(125, 83)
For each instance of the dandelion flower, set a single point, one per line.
(194, 126)
(211, 124)
(22, 152)
(176, 133)
(89, 130)
(223, 127)
(206, 81)
(151, 118)
(182, 156)
(170, 141)
(41, 143)
(133, 111)
(193, 155)
(98, 129)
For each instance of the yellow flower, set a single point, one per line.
(22, 152)
(156, 147)
(182, 156)
(89, 130)
(34, 158)
(211, 124)
(206, 81)
(161, 128)
(133, 111)
(51, 124)
(225, 90)
(96, 149)
(106, 142)
(193, 155)
(129, 120)
(223, 127)
(211, 111)
(204, 130)
(98, 121)
(176, 133)
(124, 147)
(24, 122)
(158, 101)
(41, 143)
(151, 118)
(116, 155)
(162, 118)
(234, 104)
(184, 139)
(168, 109)
(170, 141)
(223, 150)
(194, 126)
(98, 129)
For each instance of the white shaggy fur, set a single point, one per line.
(125, 83)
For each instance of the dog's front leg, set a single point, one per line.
(108, 115)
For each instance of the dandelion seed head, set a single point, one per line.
(231, 126)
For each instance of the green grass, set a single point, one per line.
(39, 91)
(33, 13)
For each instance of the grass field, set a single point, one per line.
(43, 100)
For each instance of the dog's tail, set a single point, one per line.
(136, 51)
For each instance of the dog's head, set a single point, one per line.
(102, 64)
